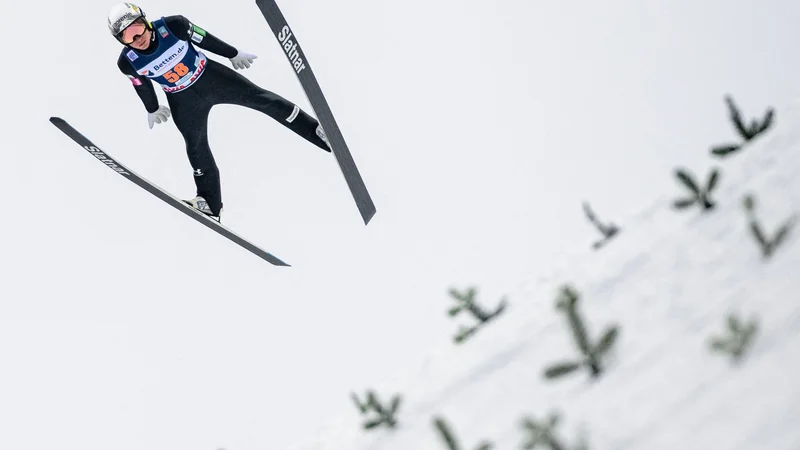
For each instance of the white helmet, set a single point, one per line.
(122, 15)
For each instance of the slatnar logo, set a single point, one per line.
(290, 47)
(105, 159)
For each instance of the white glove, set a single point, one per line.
(242, 60)
(159, 116)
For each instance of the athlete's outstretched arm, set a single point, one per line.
(188, 31)
(142, 84)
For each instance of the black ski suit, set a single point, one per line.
(217, 85)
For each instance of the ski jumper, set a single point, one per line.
(193, 84)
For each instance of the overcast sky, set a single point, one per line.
(479, 128)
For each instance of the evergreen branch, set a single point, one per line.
(712, 181)
(698, 195)
(567, 303)
(605, 342)
(608, 231)
(449, 438)
(453, 311)
(747, 133)
(592, 354)
(483, 316)
(755, 128)
(767, 245)
(374, 423)
(465, 298)
(684, 203)
(447, 435)
(464, 333)
(688, 180)
(736, 117)
(725, 150)
(561, 369)
(384, 416)
(468, 303)
(542, 434)
(738, 339)
(768, 117)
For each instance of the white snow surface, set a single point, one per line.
(668, 280)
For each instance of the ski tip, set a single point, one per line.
(56, 119)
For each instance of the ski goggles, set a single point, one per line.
(132, 32)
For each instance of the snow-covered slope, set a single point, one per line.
(669, 280)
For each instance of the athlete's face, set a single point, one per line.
(136, 35)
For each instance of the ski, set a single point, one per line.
(176, 203)
(297, 58)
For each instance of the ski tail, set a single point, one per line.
(168, 198)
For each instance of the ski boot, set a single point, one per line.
(321, 134)
(200, 204)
